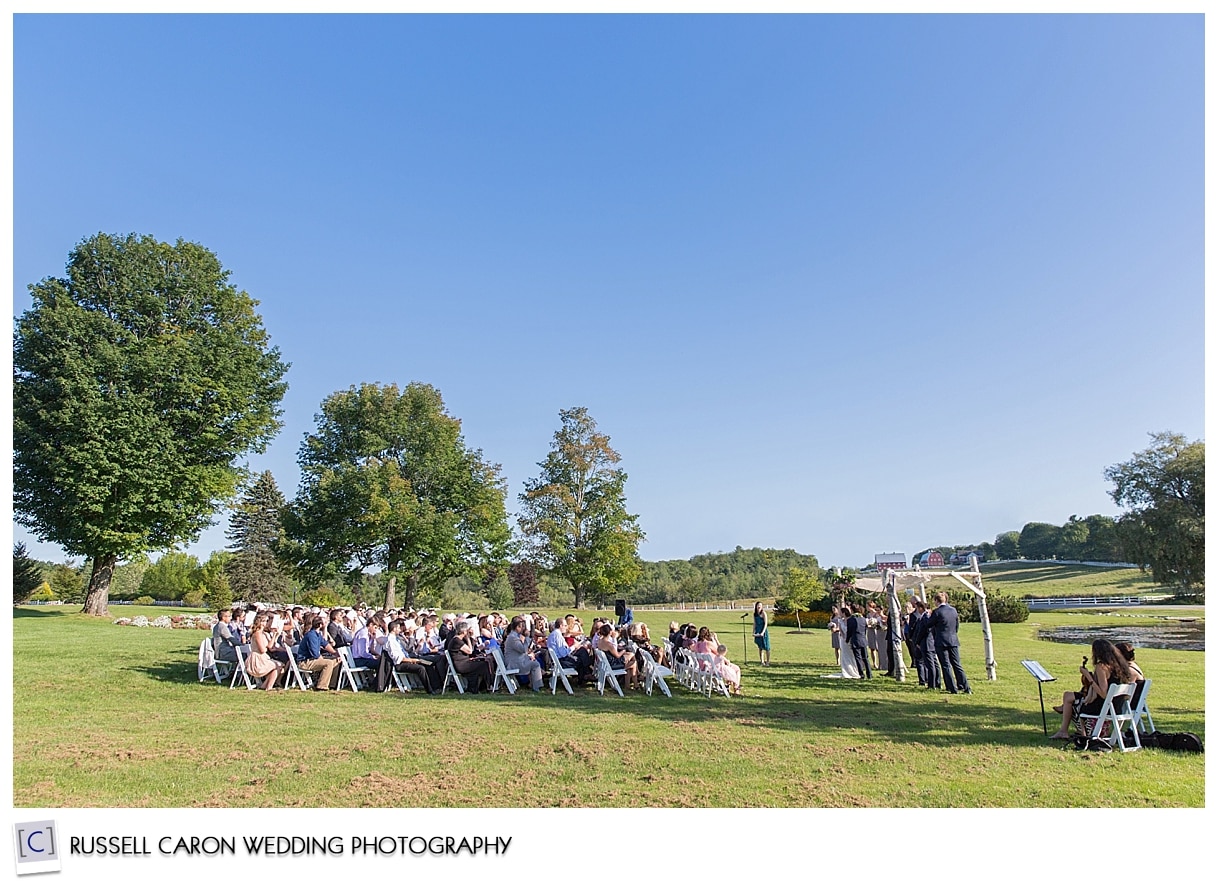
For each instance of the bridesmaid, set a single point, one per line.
(761, 633)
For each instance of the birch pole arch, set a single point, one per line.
(915, 580)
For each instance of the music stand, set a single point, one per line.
(1042, 676)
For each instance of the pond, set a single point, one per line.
(1168, 634)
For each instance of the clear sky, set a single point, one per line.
(841, 284)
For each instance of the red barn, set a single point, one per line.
(890, 562)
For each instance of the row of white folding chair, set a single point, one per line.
(654, 673)
(606, 672)
(355, 677)
(1141, 714)
(557, 673)
(239, 671)
(713, 680)
(452, 676)
(682, 667)
(211, 666)
(503, 672)
(1117, 713)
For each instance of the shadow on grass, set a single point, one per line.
(25, 612)
(903, 713)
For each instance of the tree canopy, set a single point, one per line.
(574, 513)
(1163, 488)
(139, 381)
(387, 482)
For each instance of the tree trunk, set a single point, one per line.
(412, 587)
(97, 600)
(390, 592)
(579, 596)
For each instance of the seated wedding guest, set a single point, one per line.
(337, 630)
(557, 641)
(619, 659)
(486, 634)
(1110, 667)
(706, 642)
(1127, 652)
(658, 651)
(317, 656)
(260, 664)
(394, 656)
(691, 636)
(430, 641)
(575, 630)
(365, 653)
(517, 653)
(224, 639)
(675, 638)
(448, 624)
(476, 668)
(727, 670)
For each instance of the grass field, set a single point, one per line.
(113, 716)
(1049, 579)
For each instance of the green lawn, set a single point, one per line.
(114, 716)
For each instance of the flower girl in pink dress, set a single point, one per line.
(728, 671)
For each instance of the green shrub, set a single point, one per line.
(1002, 608)
(196, 597)
(813, 619)
(144, 600)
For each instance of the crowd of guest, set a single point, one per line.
(421, 643)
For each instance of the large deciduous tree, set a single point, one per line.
(139, 381)
(574, 513)
(387, 482)
(1039, 541)
(1163, 488)
(254, 533)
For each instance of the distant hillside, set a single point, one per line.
(745, 572)
(1048, 579)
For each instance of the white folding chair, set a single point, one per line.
(1116, 713)
(682, 667)
(712, 681)
(654, 673)
(452, 676)
(503, 672)
(303, 679)
(209, 664)
(354, 677)
(558, 672)
(605, 671)
(1147, 726)
(239, 670)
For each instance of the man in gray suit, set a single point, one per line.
(224, 639)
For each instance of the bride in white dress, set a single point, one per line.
(849, 669)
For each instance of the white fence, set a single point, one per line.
(1076, 602)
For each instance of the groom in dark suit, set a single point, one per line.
(944, 623)
(856, 637)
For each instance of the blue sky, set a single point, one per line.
(841, 284)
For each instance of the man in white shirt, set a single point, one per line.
(395, 656)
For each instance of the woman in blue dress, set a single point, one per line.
(761, 633)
